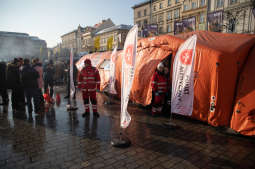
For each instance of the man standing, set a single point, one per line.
(159, 89)
(48, 77)
(14, 83)
(38, 67)
(3, 86)
(89, 82)
(29, 78)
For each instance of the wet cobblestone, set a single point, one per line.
(64, 140)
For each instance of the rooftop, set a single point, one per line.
(117, 27)
(20, 35)
(141, 4)
(17, 34)
(75, 30)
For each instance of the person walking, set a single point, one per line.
(29, 78)
(48, 77)
(89, 83)
(14, 83)
(39, 96)
(159, 89)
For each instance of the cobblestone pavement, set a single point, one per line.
(60, 139)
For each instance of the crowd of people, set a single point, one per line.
(27, 80)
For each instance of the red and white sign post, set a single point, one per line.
(128, 71)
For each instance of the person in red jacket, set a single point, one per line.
(159, 89)
(89, 83)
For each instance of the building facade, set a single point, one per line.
(88, 35)
(178, 16)
(237, 15)
(73, 40)
(142, 15)
(14, 44)
(112, 37)
(87, 40)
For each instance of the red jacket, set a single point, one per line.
(89, 79)
(159, 83)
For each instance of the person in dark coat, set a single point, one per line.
(29, 78)
(3, 84)
(39, 96)
(14, 83)
(48, 77)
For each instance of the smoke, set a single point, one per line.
(21, 45)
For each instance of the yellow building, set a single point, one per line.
(88, 35)
(111, 37)
(87, 40)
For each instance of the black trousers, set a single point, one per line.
(18, 98)
(48, 83)
(4, 94)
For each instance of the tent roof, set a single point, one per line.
(224, 42)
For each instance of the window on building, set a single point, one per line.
(154, 8)
(160, 18)
(194, 5)
(169, 28)
(232, 25)
(160, 29)
(169, 15)
(160, 5)
(231, 2)
(139, 14)
(154, 19)
(139, 33)
(169, 2)
(219, 3)
(145, 12)
(138, 23)
(185, 7)
(202, 18)
(177, 1)
(145, 22)
(202, 2)
(176, 13)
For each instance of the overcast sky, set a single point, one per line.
(49, 19)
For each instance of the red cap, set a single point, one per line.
(87, 61)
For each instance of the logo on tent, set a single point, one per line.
(186, 57)
(129, 56)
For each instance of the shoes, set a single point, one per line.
(85, 114)
(72, 108)
(52, 101)
(96, 114)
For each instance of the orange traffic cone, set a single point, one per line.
(58, 99)
(46, 97)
